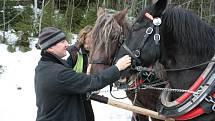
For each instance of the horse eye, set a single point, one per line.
(138, 26)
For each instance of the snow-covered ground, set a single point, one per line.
(19, 104)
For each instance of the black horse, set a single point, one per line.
(109, 31)
(185, 46)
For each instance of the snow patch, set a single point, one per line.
(18, 101)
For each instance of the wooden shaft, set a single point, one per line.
(129, 107)
(138, 110)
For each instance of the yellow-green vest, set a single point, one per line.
(79, 63)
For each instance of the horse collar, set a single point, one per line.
(189, 105)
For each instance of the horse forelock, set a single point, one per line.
(189, 31)
(104, 28)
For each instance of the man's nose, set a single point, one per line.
(66, 44)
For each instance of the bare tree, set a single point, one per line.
(4, 21)
(41, 16)
(88, 6)
(71, 20)
(35, 9)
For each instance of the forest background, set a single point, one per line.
(25, 18)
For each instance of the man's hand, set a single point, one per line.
(123, 62)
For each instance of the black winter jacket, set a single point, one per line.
(59, 89)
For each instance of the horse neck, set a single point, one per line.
(175, 54)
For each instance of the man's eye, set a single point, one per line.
(63, 41)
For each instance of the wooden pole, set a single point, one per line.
(129, 107)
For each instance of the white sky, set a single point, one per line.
(20, 105)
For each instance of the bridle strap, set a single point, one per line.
(131, 53)
(149, 31)
(136, 54)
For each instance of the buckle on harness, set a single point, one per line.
(156, 38)
(149, 30)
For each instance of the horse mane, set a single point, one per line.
(106, 31)
(195, 35)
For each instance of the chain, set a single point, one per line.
(210, 99)
(157, 84)
(152, 86)
(168, 89)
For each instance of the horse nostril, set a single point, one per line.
(133, 66)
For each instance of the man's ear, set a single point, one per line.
(49, 49)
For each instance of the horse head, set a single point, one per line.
(142, 42)
(175, 37)
(106, 35)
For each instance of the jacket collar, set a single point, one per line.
(46, 56)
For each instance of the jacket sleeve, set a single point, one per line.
(71, 82)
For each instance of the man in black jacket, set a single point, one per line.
(58, 88)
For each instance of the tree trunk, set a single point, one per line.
(41, 16)
(211, 11)
(4, 21)
(35, 10)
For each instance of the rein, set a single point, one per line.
(140, 68)
(189, 68)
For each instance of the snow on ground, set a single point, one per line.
(20, 104)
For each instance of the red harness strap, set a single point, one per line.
(192, 88)
(137, 83)
(193, 113)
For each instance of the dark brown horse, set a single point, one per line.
(108, 32)
(185, 46)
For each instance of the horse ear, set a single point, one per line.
(159, 7)
(100, 11)
(119, 17)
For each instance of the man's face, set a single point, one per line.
(59, 49)
(87, 42)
